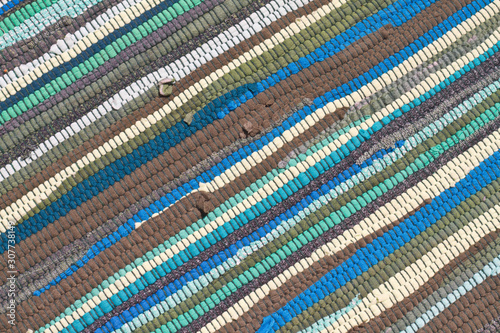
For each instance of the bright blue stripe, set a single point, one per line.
(344, 176)
(173, 263)
(115, 322)
(127, 164)
(441, 204)
(205, 267)
(100, 45)
(392, 240)
(9, 5)
(253, 212)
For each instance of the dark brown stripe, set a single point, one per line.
(110, 252)
(233, 127)
(123, 82)
(492, 327)
(50, 303)
(307, 249)
(397, 311)
(153, 174)
(41, 305)
(31, 48)
(157, 103)
(470, 312)
(344, 75)
(299, 283)
(104, 209)
(144, 239)
(167, 30)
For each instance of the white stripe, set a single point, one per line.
(492, 269)
(49, 186)
(130, 277)
(447, 177)
(27, 202)
(47, 16)
(179, 69)
(403, 284)
(89, 27)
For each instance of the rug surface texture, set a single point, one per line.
(254, 166)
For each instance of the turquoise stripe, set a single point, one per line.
(213, 215)
(492, 269)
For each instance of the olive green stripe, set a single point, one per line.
(49, 157)
(217, 284)
(266, 254)
(287, 50)
(304, 224)
(22, 13)
(482, 106)
(399, 260)
(223, 84)
(395, 90)
(136, 64)
(473, 264)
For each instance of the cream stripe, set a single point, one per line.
(132, 276)
(114, 24)
(457, 166)
(400, 286)
(23, 206)
(151, 264)
(83, 31)
(239, 168)
(401, 70)
(117, 22)
(180, 68)
(447, 177)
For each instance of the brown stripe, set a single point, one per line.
(299, 283)
(492, 327)
(140, 241)
(153, 174)
(470, 312)
(397, 311)
(29, 49)
(142, 233)
(344, 75)
(253, 318)
(100, 208)
(84, 284)
(157, 103)
(159, 224)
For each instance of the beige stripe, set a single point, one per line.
(446, 177)
(109, 27)
(485, 146)
(22, 206)
(455, 168)
(403, 284)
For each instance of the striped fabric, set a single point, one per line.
(316, 166)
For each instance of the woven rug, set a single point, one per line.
(249, 166)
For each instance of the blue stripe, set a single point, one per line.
(392, 240)
(193, 250)
(118, 321)
(171, 263)
(9, 5)
(126, 165)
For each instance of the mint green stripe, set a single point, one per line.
(110, 51)
(329, 222)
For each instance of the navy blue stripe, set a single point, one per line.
(82, 57)
(126, 165)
